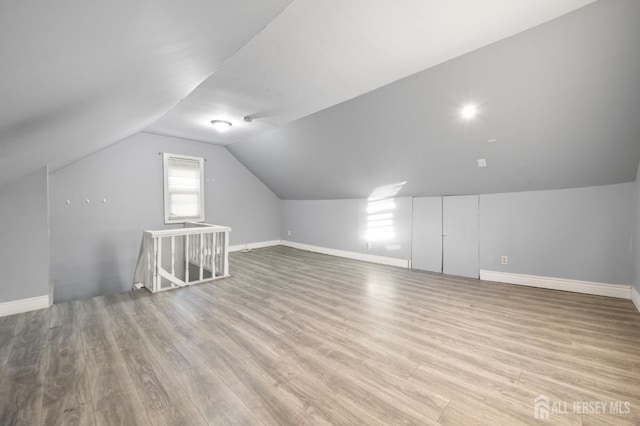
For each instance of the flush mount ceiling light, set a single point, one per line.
(469, 111)
(221, 125)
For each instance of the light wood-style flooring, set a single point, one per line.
(295, 337)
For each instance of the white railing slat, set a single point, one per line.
(173, 255)
(213, 254)
(201, 255)
(225, 264)
(186, 258)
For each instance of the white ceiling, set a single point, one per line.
(321, 78)
(77, 76)
(317, 54)
(558, 108)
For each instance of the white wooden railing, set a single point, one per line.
(175, 258)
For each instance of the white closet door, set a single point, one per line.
(426, 250)
(460, 236)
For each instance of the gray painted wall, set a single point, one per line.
(636, 245)
(24, 232)
(581, 234)
(94, 246)
(342, 225)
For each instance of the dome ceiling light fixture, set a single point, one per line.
(221, 125)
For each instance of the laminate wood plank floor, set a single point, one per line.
(295, 337)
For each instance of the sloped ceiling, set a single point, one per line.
(317, 54)
(560, 100)
(559, 107)
(76, 76)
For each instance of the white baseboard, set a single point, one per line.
(24, 305)
(587, 287)
(635, 297)
(260, 244)
(383, 260)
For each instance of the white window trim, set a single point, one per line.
(167, 214)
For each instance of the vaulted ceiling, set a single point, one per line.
(77, 76)
(317, 54)
(558, 107)
(345, 96)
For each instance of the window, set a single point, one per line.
(183, 188)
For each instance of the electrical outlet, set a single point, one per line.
(504, 260)
(288, 233)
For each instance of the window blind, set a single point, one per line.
(183, 188)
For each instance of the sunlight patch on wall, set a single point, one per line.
(380, 208)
